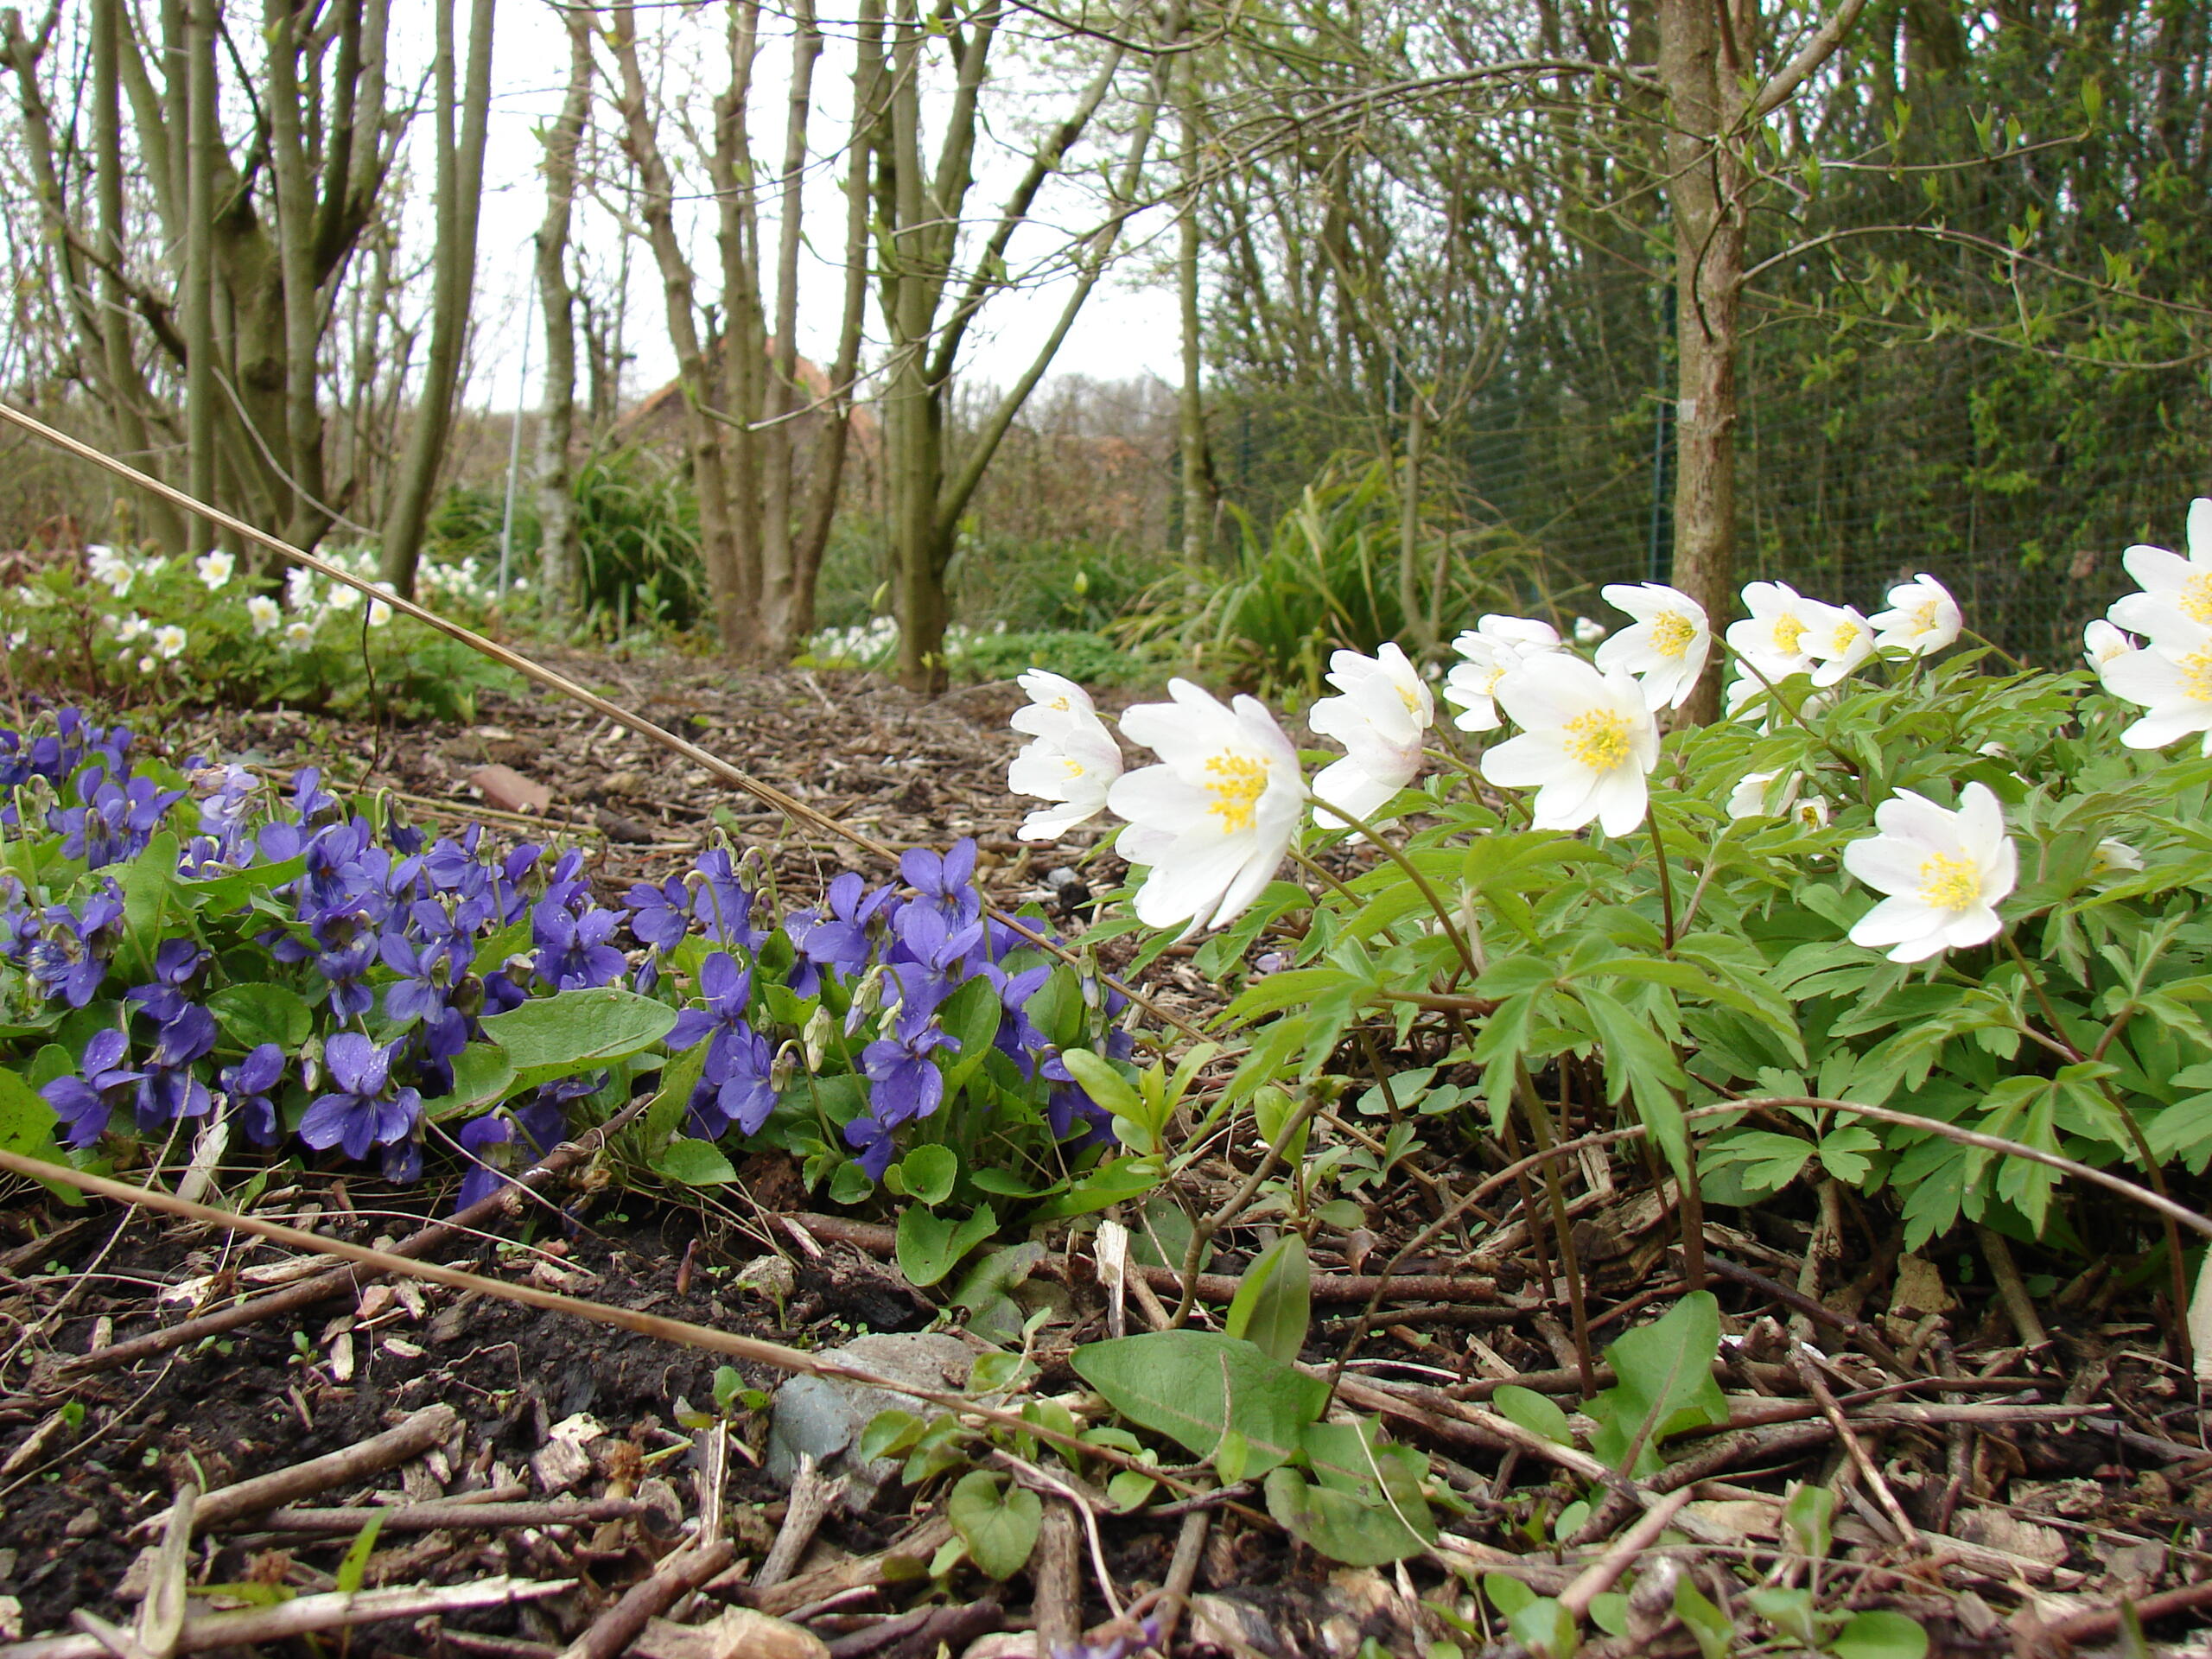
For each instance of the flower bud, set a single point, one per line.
(818, 1033)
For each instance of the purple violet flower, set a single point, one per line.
(169, 1088)
(250, 1087)
(947, 883)
(836, 940)
(84, 1102)
(907, 1084)
(362, 1109)
(572, 951)
(69, 960)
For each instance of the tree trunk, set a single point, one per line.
(1697, 39)
(460, 194)
(696, 370)
(779, 573)
(557, 549)
(202, 139)
(1191, 410)
(826, 475)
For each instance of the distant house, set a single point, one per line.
(656, 421)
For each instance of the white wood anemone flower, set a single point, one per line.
(2103, 643)
(1667, 648)
(1944, 873)
(1764, 794)
(1845, 640)
(1055, 702)
(1381, 719)
(2175, 603)
(1493, 648)
(1071, 762)
(1922, 618)
(1778, 634)
(1587, 741)
(2171, 679)
(1213, 820)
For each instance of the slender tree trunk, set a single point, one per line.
(559, 557)
(202, 140)
(301, 433)
(460, 194)
(695, 370)
(744, 355)
(126, 387)
(779, 574)
(1415, 613)
(1705, 195)
(826, 479)
(1191, 410)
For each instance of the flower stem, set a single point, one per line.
(1666, 878)
(1427, 889)
(2178, 1331)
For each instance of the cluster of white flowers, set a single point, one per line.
(874, 643)
(2169, 674)
(1211, 823)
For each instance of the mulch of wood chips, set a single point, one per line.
(548, 1486)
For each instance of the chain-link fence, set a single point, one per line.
(2019, 480)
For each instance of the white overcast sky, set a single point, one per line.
(1128, 327)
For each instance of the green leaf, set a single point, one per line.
(1789, 1611)
(930, 1246)
(929, 1171)
(1880, 1634)
(971, 1015)
(1507, 1593)
(27, 1125)
(355, 1562)
(889, 1434)
(483, 1076)
(1360, 1528)
(997, 1521)
(569, 1032)
(1103, 1084)
(1116, 1181)
(1609, 1612)
(255, 1013)
(1714, 1632)
(1665, 1385)
(1193, 1385)
(1273, 1303)
(1546, 1628)
(1533, 1412)
(694, 1163)
(1806, 1517)
(149, 884)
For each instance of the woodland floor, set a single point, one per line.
(2051, 1455)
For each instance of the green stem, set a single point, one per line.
(2178, 1331)
(1428, 890)
(1666, 877)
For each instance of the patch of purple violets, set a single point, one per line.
(404, 945)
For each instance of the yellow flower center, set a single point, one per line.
(1924, 616)
(1672, 632)
(1948, 883)
(2196, 675)
(1412, 702)
(2196, 596)
(1845, 634)
(1072, 768)
(1237, 783)
(1787, 631)
(1598, 739)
